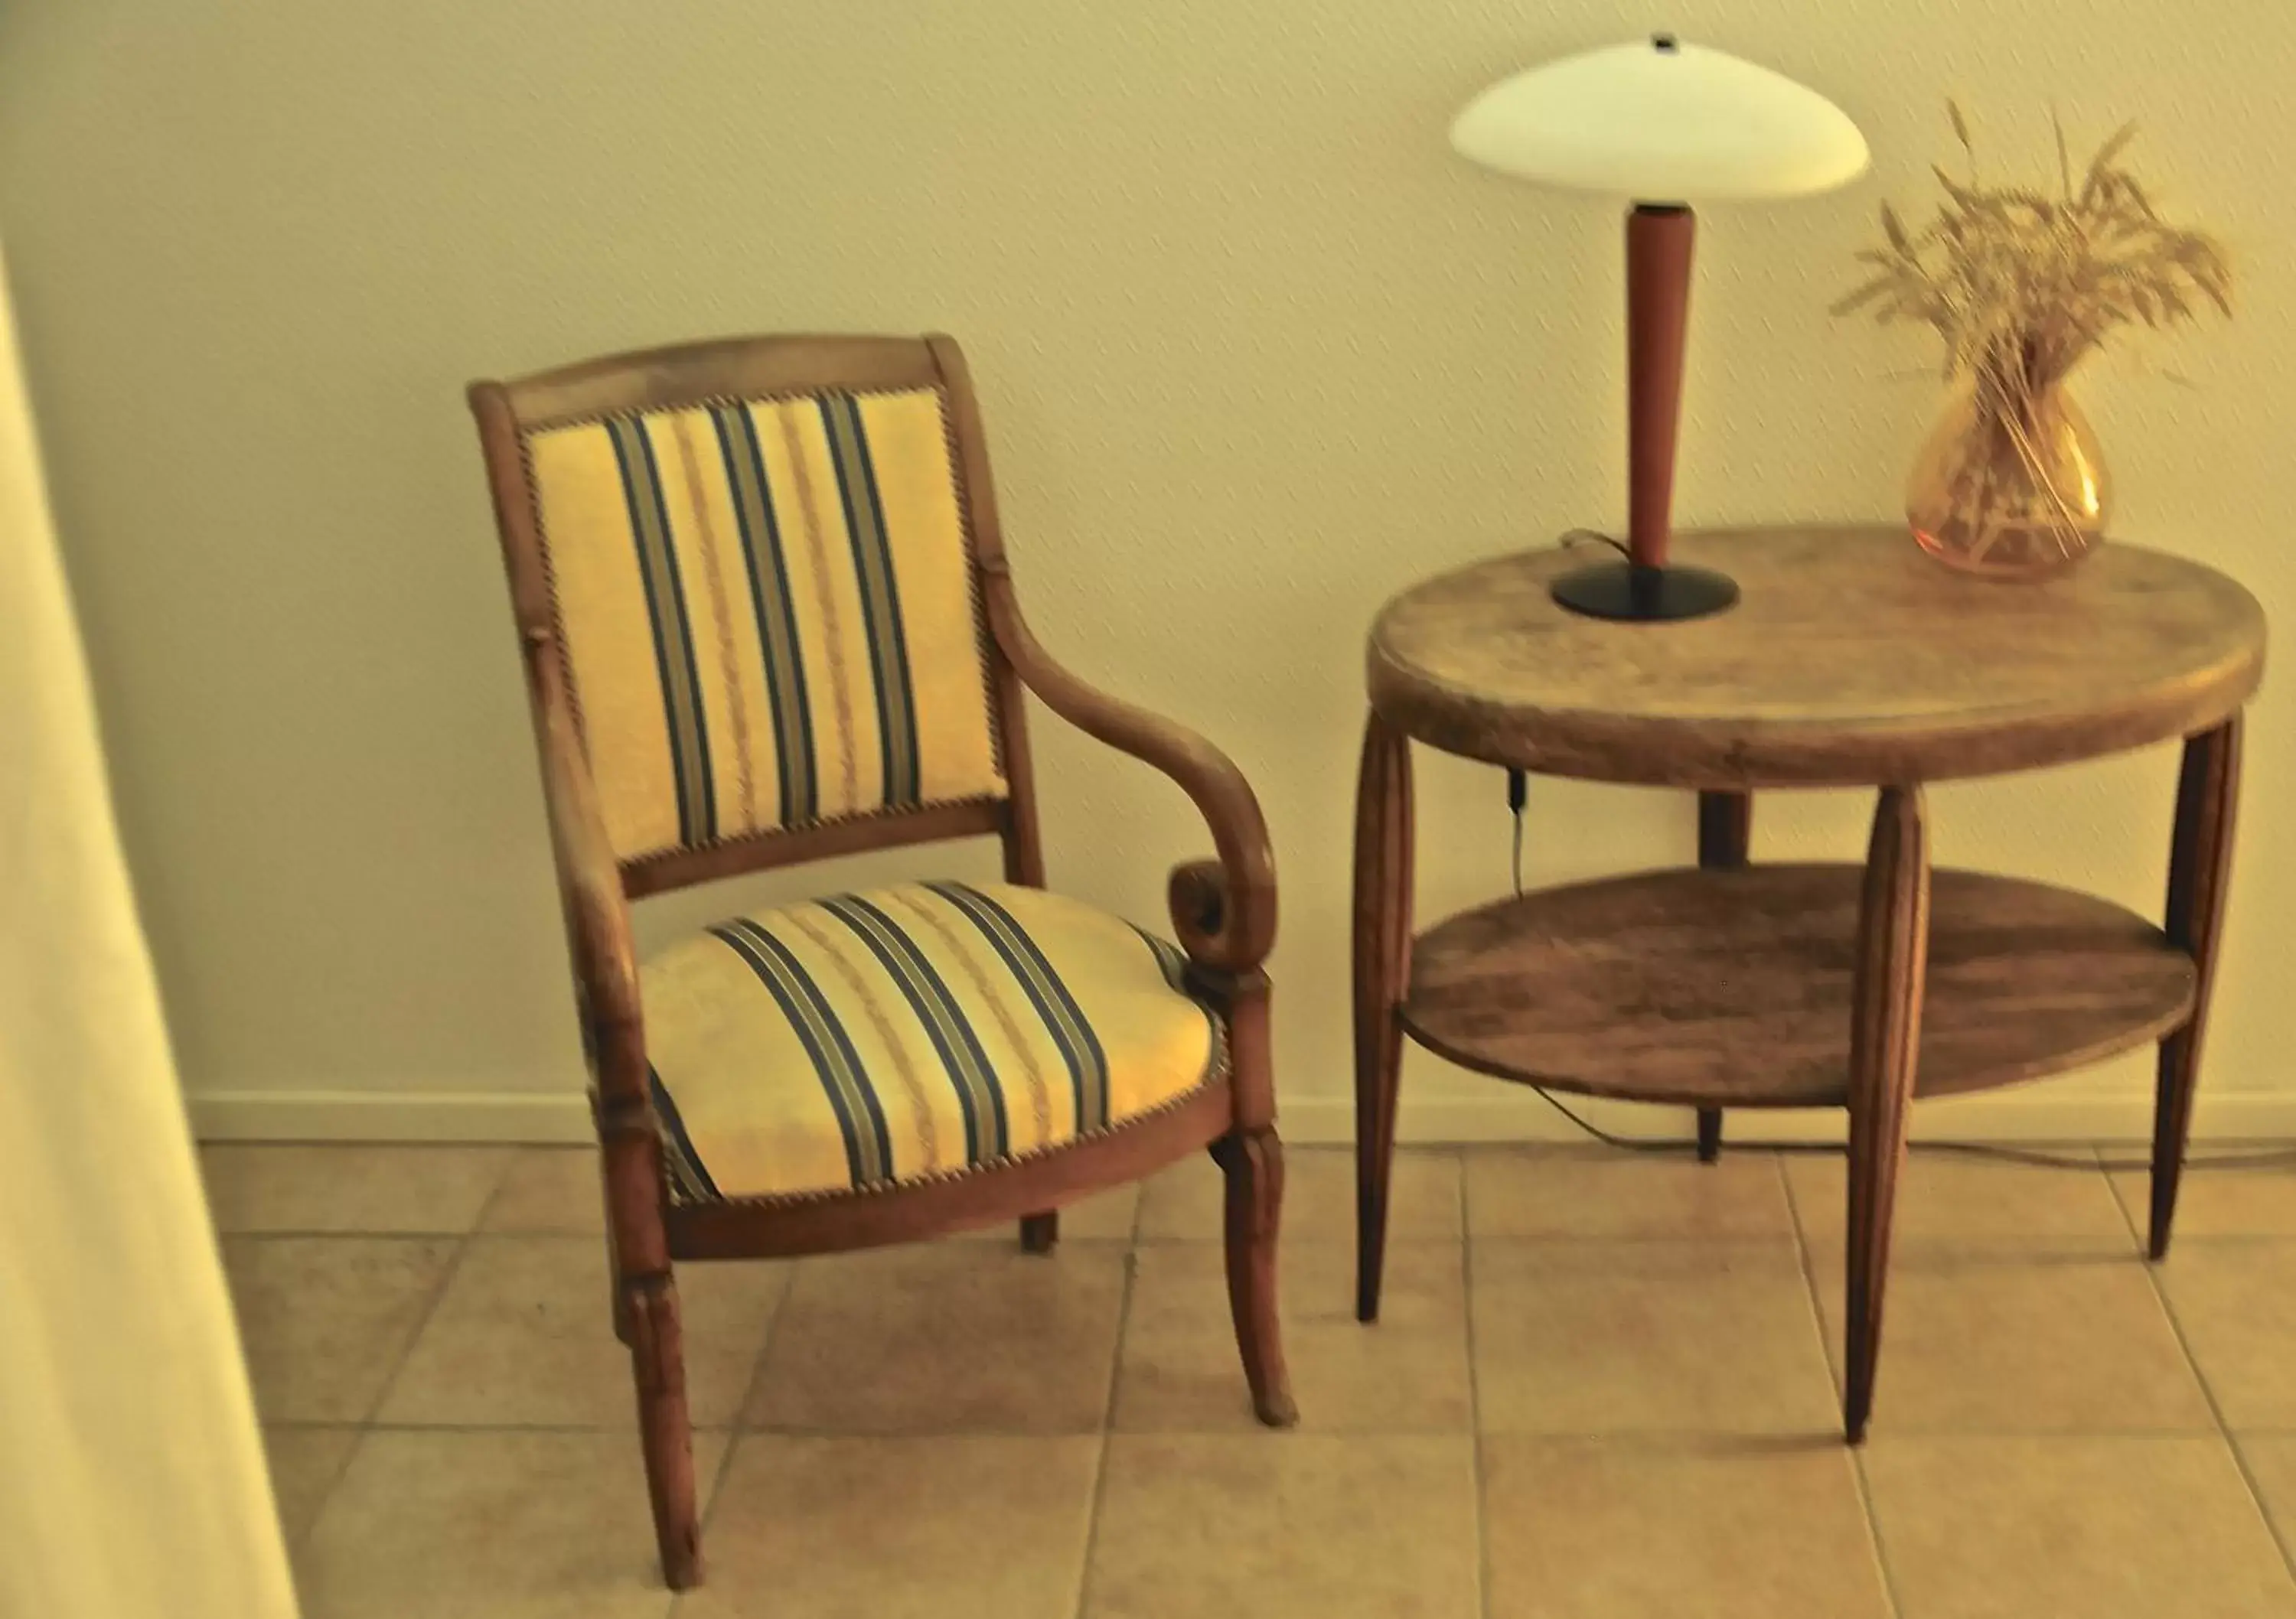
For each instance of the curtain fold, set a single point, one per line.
(132, 1477)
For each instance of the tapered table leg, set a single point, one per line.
(2199, 862)
(1726, 827)
(1893, 928)
(1382, 967)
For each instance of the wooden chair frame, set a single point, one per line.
(1222, 910)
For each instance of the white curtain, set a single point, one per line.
(132, 1479)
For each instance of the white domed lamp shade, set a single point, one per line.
(1663, 121)
(1664, 124)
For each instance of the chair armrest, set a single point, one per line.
(1224, 912)
(590, 882)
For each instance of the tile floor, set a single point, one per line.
(1603, 1387)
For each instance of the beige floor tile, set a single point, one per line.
(1983, 1341)
(305, 1463)
(1184, 1203)
(325, 1321)
(1407, 1373)
(1354, 1526)
(956, 1526)
(2236, 1305)
(1645, 1337)
(1572, 1191)
(1952, 1198)
(946, 1337)
(1725, 1529)
(1103, 1217)
(2271, 1460)
(283, 1187)
(524, 1337)
(2217, 1202)
(490, 1525)
(549, 1190)
(2088, 1527)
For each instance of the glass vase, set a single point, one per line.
(2010, 485)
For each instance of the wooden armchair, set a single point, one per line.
(766, 618)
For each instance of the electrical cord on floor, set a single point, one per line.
(1624, 1143)
(2277, 1158)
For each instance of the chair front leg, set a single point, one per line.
(647, 1318)
(1250, 1157)
(665, 1425)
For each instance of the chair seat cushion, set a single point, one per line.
(909, 1034)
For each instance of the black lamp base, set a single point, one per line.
(1620, 590)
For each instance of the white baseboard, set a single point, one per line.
(2029, 1114)
(390, 1116)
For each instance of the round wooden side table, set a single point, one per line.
(1851, 660)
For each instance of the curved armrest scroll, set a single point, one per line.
(1225, 911)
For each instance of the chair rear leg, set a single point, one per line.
(1039, 1232)
(1252, 1160)
(665, 1430)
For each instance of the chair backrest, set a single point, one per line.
(760, 564)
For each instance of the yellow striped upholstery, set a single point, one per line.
(768, 613)
(910, 1033)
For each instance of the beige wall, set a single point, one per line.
(1256, 351)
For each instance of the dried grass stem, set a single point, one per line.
(2024, 285)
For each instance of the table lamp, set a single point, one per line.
(1661, 123)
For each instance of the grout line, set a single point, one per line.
(1873, 1532)
(453, 1268)
(502, 1183)
(564, 1233)
(361, 1234)
(1825, 1349)
(366, 1425)
(737, 1428)
(2248, 1477)
(2128, 1215)
(1803, 1257)
(1474, 1401)
(741, 1423)
(1615, 1242)
(1658, 1438)
(1108, 1419)
(733, 1438)
(623, 1430)
(1969, 1241)
(326, 1492)
(1786, 1438)
(2215, 1409)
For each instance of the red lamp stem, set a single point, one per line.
(1659, 241)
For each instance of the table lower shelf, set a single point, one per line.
(1732, 988)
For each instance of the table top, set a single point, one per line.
(1852, 659)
